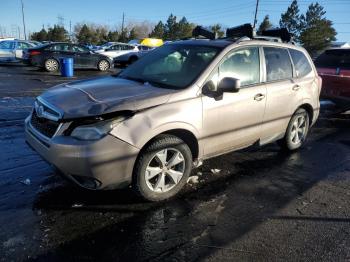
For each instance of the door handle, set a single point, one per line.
(259, 97)
(296, 87)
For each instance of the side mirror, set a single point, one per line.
(229, 85)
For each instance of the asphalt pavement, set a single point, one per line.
(257, 204)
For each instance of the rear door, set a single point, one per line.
(21, 46)
(7, 50)
(82, 57)
(334, 68)
(283, 94)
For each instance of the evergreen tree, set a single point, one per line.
(317, 32)
(85, 35)
(57, 34)
(291, 19)
(184, 29)
(39, 36)
(113, 36)
(265, 24)
(171, 28)
(158, 31)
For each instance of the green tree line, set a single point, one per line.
(312, 29)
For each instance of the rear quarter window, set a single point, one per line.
(301, 63)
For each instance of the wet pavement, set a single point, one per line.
(257, 204)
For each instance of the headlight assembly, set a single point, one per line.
(97, 130)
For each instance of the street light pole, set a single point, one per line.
(24, 24)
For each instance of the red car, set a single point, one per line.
(334, 68)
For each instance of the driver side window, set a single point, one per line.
(243, 64)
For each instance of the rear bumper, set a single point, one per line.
(103, 164)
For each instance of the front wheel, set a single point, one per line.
(103, 65)
(297, 131)
(162, 168)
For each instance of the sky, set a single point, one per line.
(203, 12)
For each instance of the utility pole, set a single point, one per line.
(122, 33)
(256, 13)
(24, 23)
(70, 30)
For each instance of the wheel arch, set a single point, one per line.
(185, 135)
(309, 109)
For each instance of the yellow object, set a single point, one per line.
(153, 42)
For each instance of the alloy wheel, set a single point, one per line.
(299, 129)
(165, 170)
(103, 65)
(51, 65)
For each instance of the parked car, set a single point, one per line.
(48, 57)
(132, 56)
(334, 68)
(117, 49)
(12, 50)
(180, 104)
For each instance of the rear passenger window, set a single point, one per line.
(301, 64)
(243, 64)
(278, 64)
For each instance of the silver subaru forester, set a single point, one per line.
(177, 106)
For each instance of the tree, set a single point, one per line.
(217, 30)
(291, 19)
(84, 35)
(113, 36)
(57, 34)
(171, 28)
(265, 24)
(132, 34)
(317, 32)
(39, 36)
(158, 31)
(184, 29)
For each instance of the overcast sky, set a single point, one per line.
(205, 12)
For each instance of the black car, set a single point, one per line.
(48, 56)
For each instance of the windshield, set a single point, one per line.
(334, 58)
(171, 66)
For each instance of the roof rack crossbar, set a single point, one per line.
(240, 31)
(200, 31)
(282, 33)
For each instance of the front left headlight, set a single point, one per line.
(97, 130)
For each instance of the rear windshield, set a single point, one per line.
(334, 58)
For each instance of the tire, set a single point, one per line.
(51, 65)
(293, 138)
(103, 65)
(154, 178)
(132, 59)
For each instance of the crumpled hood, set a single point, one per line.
(103, 95)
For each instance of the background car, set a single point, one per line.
(334, 68)
(48, 57)
(131, 57)
(117, 49)
(12, 50)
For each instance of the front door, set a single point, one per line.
(234, 120)
(82, 57)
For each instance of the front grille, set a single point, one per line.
(44, 126)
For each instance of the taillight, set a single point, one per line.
(35, 53)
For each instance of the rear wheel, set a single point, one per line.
(297, 131)
(162, 168)
(103, 65)
(51, 65)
